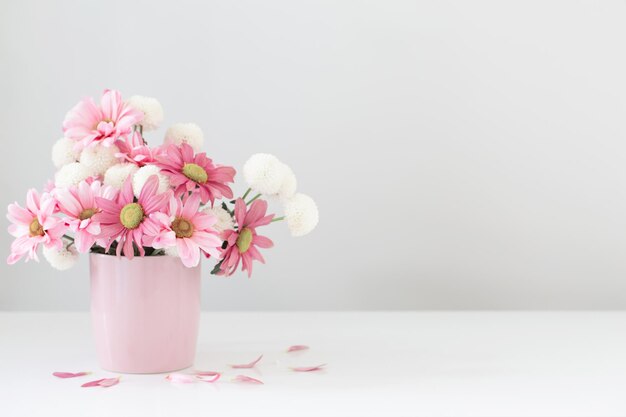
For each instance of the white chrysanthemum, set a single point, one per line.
(71, 174)
(189, 133)
(301, 214)
(141, 176)
(99, 158)
(289, 185)
(224, 219)
(264, 173)
(151, 109)
(63, 152)
(61, 259)
(117, 174)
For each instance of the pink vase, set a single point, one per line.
(145, 313)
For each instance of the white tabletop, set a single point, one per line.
(379, 364)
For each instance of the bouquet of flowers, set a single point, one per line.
(114, 194)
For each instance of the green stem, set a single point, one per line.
(246, 194)
(225, 207)
(71, 239)
(277, 219)
(139, 128)
(253, 198)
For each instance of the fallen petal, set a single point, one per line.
(95, 383)
(296, 348)
(206, 373)
(69, 374)
(247, 379)
(104, 382)
(247, 365)
(109, 382)
(208, 376)
(308, 368)
(181, 378)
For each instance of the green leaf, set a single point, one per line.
(216, 268)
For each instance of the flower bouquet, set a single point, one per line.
(147, 215)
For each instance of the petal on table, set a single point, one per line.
(181, 378)
(95, 383)
(308, 368)
(297, 348)
(246, 379)
(247, 365)
(69, 374)
(104, 382)
(109, 382)
(208, 376)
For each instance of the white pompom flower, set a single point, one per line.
(63, 152)
(264, 173)
(141, 176)
(71, 174)
(224, 219)
(99, 158)
(289, 185)
(189, 133)
(118, 173)
(151, 109)
(301, 214)
(61, 259)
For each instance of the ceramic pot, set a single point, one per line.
(145, 313)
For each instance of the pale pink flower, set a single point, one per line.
(78, 203)
(33, 226)
(125, 220)
(88, 124)
(133, 149)
(183, 226)
(242, 242)
(189, 172)
(49, 186)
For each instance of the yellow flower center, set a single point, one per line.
(131, 215)
(182, 227)
(195, 172)
(244, 240)
(87, 213)
(35, 228)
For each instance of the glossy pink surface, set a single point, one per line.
(145, 313)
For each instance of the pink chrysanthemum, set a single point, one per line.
(78, 203)
(189, 172)
(33, 226)
(49, 186)
(125, 220)
(184, 227)
(242, 242)
(88, 124)
(135, 150)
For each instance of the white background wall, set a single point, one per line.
(464, 155)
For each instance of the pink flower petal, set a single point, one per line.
(247, 365)
(246, 379)
(308, 368)
(69, 374)
(92, 383)
(109, 382)
(104, 382)
(297, 348)
(208, 376)
(181, 378)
